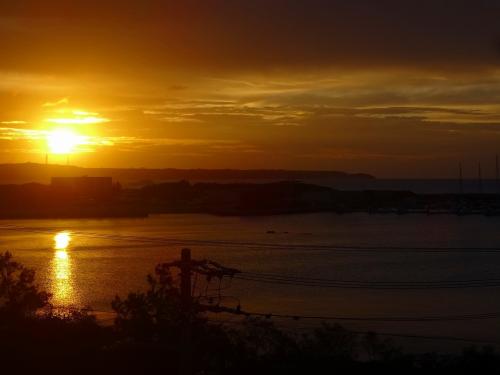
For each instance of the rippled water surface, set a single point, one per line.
(89, 270)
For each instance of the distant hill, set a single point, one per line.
(41, 173)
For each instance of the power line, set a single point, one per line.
(425, 337)
(388, 334)
(294, 280)
(313, 279)
(213, 269)
(372, 285)
(436, 318)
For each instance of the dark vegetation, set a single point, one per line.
(111, 200)
(153, 334)
(298, 197)
(49, 201)
(37, 200)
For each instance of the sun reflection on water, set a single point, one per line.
(62, 285)
(62, 240)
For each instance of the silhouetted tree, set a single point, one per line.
(19, 296)
(332, 341)
(152, 325)
(377, 348)
(152, 314)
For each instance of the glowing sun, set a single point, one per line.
(63, 141)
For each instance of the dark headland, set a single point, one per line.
(79, 192)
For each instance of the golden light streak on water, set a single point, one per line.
(62, 283)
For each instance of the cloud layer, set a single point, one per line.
(388, 87)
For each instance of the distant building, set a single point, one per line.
(87, 187)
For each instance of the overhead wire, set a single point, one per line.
(428, 318)
(383, 334)
(297, 280)
(281, 279)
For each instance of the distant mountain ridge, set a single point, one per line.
(41, 173)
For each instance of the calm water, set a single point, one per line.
(87, 271)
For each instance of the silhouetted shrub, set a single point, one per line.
(332, 341)
(379, 349)
(19, 296)
(154, 314)
(156, 329)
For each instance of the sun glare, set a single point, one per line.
(63, 141)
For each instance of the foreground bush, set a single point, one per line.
(19, 296)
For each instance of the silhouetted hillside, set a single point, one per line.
(40, 173)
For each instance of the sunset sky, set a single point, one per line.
(392, 88)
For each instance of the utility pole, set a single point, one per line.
(190, 304)
(186, 299)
